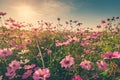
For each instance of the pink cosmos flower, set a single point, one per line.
(102, 65)
(29, 66)
(15, 65)
(11, 20)
(12, 27)
(70, 40)
(49, 51)
(67, 62)
(10, 73)
(103, 21)
(108, 55)
(13, 43)
(5, 52)
(41, 74)
(58, 44)
(76, 39)
(26, 74)
(98, 26)
(95, 35)
(66, 43)
(86, 64)
(111, 55)
(2, 13)
(87, 51)
(77, 77)
(35, 29)
(84, 44)
(67, 22)
(16, 24)
(17, 46)
(81, 31)
(116, 54)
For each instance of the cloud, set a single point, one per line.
(43, 9)
(51, 8)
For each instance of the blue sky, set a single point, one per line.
(98, 7)
(90, 12)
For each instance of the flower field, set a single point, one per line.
(47, 53)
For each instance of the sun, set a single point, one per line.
(25, 12)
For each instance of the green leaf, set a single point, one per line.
(105, 73)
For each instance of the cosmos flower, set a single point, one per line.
(70, 40)
(111, 55)
(5, 52)
(13, 43)
(116, 54)
(77, 77)
(67, 62)
(58, 19)
(49, 51)
(14, 65)
(58, 44)
(85, 43)
(94, 35)
(17, 25)
(98, 26)
(10, 73)
(102, 65)
(11, 20)
(2, 13)
(41, 74)
(86, 64)
(79, 24)
(35, 29)
(26, 74)
(66, 43)
(87, 51)
(67, 22)
(76, 39)
(103, 21)
(108, 55)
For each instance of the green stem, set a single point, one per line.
(40, 54)
(50, 60)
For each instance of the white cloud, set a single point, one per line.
(51, 8)
(43, 9)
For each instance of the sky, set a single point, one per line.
(89, 12)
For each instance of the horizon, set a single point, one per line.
(88, 12)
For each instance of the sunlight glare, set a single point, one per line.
(25, 12)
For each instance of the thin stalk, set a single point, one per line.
(40, 54)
